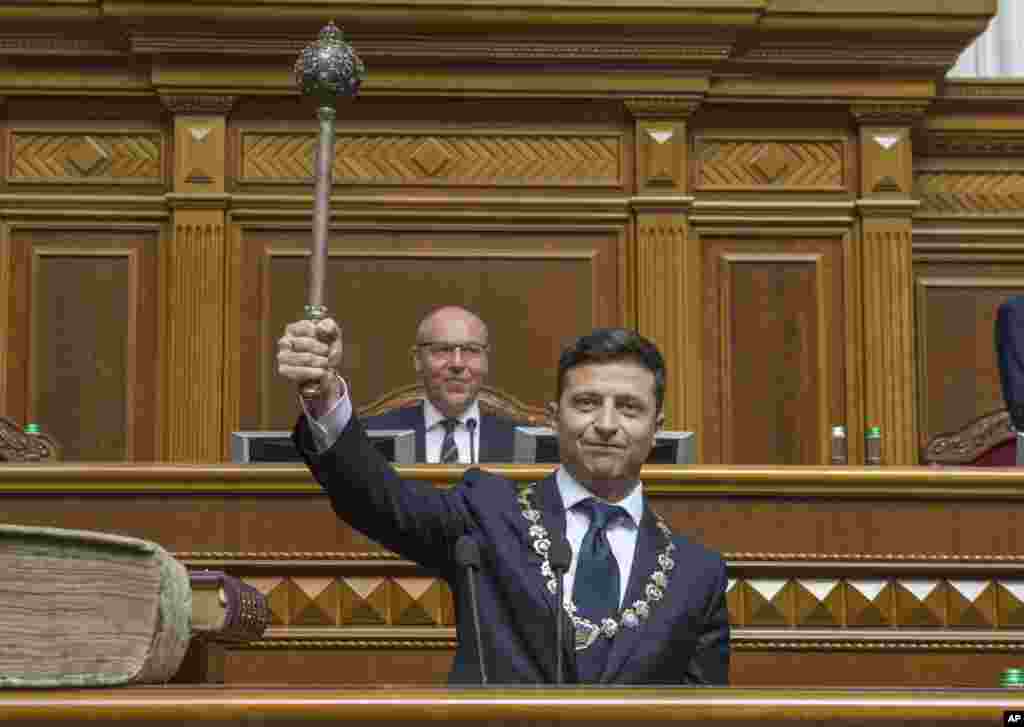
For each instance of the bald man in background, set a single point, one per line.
(451, 359)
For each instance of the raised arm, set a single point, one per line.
(414, 519)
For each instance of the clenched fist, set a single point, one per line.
(311, 352)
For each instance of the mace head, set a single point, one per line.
(329, 69)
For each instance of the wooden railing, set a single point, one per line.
(514, 706)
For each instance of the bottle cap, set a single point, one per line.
(32, 429)
(875, 433)
(838, 431)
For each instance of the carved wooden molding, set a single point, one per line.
(199, 104)
(681, 49)
(973, 143)
(58, 44)
(734, 164)
(675, 107)
(449, 159)
(492, 401)
(86, 157)
(985, 90)
(339, 559)
(901, 113)
(18, 446)
(981, 193)
(971, 441)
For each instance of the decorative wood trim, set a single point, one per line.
(981, 142)
(889, 113)
(198, 104)
(468, 158)
(760, 562)
(970, 441)
(17, 446)
(677, 108)
(791, 162)
(193, 388)
(492, 401)
(889, 369)
(668, 309)
(982, 90)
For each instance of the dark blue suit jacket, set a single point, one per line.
(684, 641)
(1010, 353)
(496, 434)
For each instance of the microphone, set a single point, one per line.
(467, 555)
(471, 426)
(560, 557)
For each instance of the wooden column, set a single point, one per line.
(193, 348)
(886, 210)
(667, 282)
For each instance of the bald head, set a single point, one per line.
(451, 358)
(446, 319)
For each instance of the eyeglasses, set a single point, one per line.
(447, 351)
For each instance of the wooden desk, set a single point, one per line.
(840, 576)
(497, 706)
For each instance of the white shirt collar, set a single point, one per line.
(433, 417)
(573, 492)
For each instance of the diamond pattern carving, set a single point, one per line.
(802, 603)
(468, 159)
(743, 164)
(920, 603)
(868, 603)
(62, 158)
(86, 154)
(431, 157)
(766, 602)
(969, 192)
(818, 602)
(364, 601)
(1010, 604)
(972, 604)
(771, 161)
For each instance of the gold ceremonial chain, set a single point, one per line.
(586, 630)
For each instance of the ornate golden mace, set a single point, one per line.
(327, 70)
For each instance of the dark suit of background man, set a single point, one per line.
(649, 605)
(1010, 352)
(451, 359)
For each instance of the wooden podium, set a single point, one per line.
(500, 706)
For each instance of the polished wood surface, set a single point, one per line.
(838, 576)
(514, 705)
(804, 219)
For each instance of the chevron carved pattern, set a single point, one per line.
(356, 600)
(742, 164)
(992, 604)
(970, 192)
(61, 158)
(467, 159)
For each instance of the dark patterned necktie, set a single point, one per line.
(449, 449)
(595, 590)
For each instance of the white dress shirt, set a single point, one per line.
(622, 533)
(433, 421)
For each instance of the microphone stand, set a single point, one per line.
(471, 426)
(560, 557)
(467, 555)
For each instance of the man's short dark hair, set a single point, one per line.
(614, 344)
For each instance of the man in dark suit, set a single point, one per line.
(451, 359)
(1010, 353)
(642, 605)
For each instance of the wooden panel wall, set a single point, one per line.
(783, 216)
